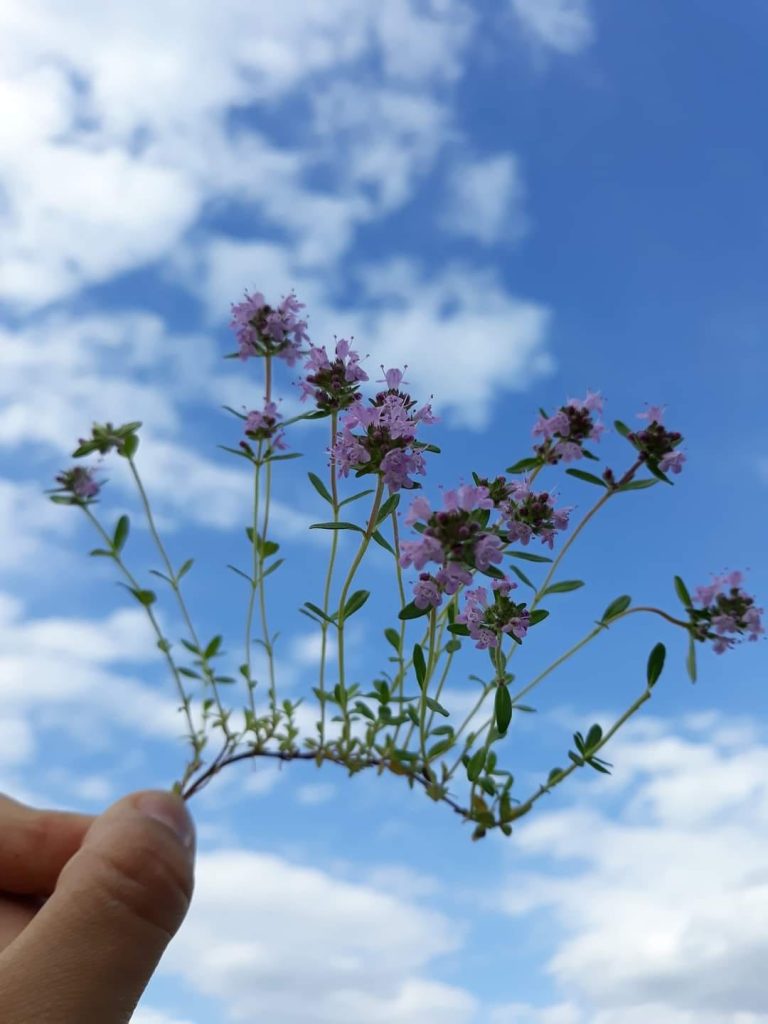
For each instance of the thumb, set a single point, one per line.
(90, 951)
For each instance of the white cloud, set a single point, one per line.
(147, 1016)
(562, 25)
(485, 200)
(117, 132)
(315, 793)
(334, 952)
(681, 873)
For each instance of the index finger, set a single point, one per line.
(35, 845)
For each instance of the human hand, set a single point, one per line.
(88, 905)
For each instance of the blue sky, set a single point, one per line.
(521, 199)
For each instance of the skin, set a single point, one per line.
(88, 906)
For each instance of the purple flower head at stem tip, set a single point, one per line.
(332, 384)
(264, 331)
(80, 484)
(656, 444)
(488, 621)
(726, 608)
(263, 425)
(566, 431)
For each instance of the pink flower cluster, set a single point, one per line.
(79, 482)
(332, 384)
(565, 432)
(726, 611)
(656, 444)
(455, 538)
(387, 442)
(532, 515)
(262, 330)
(488, 621)
(263, 425)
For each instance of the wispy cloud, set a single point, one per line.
(562, 25)
(485, 200)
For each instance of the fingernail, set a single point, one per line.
(172, 811)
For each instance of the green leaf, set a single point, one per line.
(354, 497)
(528, 557)
(434, 706)
(412, 612)
(355, 603)
(597, 764)
(212, 647)
(452, 646)
(394, 638)
(553, 775)
(682, 592)
(419, 664)
(475, 765)
(382, 542)
(622, 428)
(616, 607)
(564, 587)
(389, 506)
(189, 673)
(589, 478)
(653, 468)
(538, 615)
(145, 597)
(521, 576)
(129, 447)
(502, 709)
(635, 485)
(320, 487)
(269, 547)
(241, 573)
(458, 629)
(493, 572)
(185, 568)
(319, 611)
(594, 736)
(272, 568)
(690, 662)
(240, 415)
(524, 707)
(439, 748)
(121, 533)
(282, 458)
(156, 572)
(101, 551)
(656, 663)
(336, 526)
(588, 455)
(523, 464)
(364, 710)
(234, 451)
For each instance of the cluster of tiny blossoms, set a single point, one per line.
(386, 442)
(332, 384)
(263, 425)
(656, 444)
(729, 611)
(79, 484)
(487, 622)
(264, 331)
(565, 433)
(526, 514)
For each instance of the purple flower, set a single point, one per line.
(80, 484)
(426, 592)
(388, 426)
(533, 514)
(488, 548)
(466, 498)
(419, 552)
(264, 331)
(262, 425)
(564, 433)
(332, 385)
(673, 461)
(396, 466)
(656, 444)
(487, 621)
(419, 509)
(726, 608)
(452, 576)
(653, 414)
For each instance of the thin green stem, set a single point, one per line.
(162, 643)
(329, 573)
(369, 531)
(207, 671)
